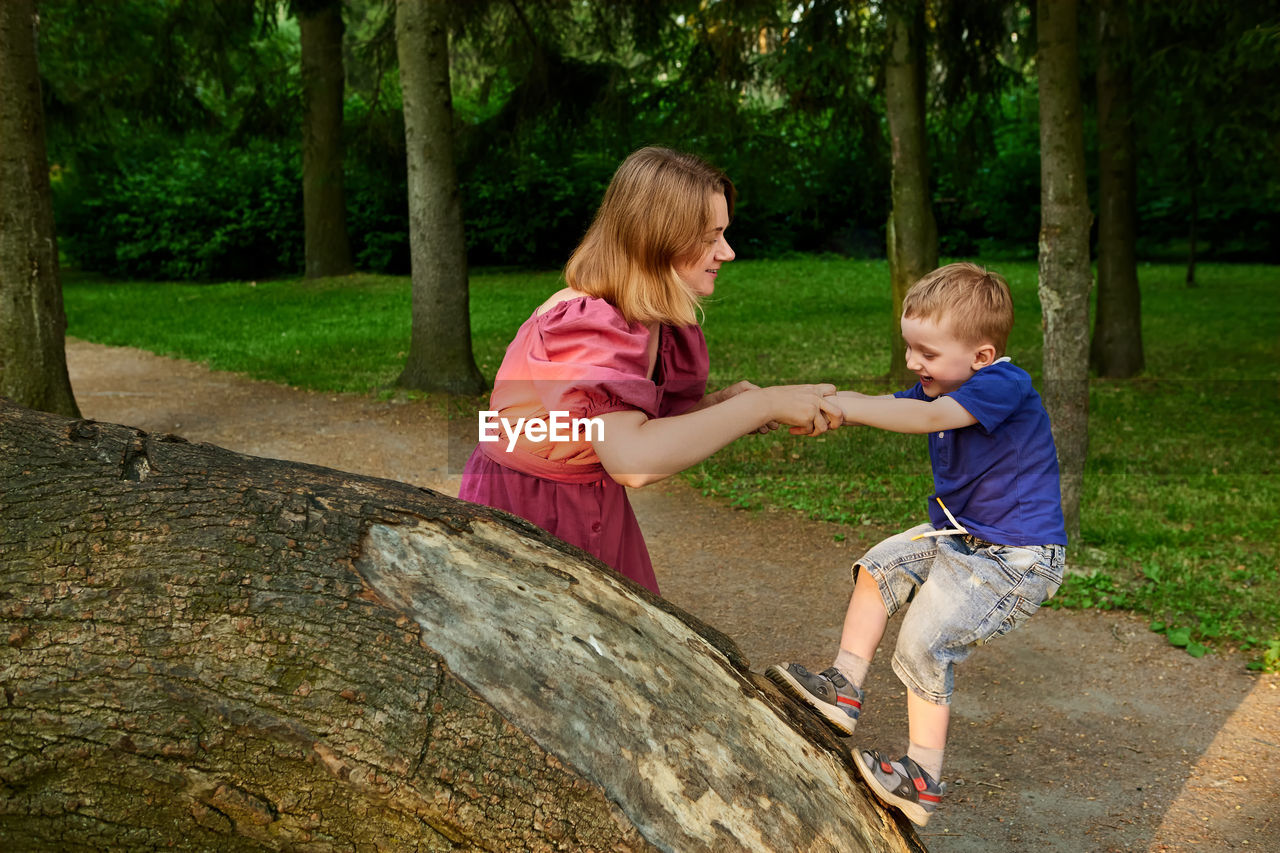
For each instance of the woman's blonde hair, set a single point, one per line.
(974, 301)
(655, 214)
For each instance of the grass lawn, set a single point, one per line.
(1181, 489)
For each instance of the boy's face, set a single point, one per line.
(941, 360)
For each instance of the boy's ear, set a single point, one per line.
(984, 356)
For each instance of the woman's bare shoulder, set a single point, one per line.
(563, 295)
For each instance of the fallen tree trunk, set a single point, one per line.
(210, 650)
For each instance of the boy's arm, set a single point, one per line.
(901, 414)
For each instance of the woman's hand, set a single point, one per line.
(732, 391)
(639, 450)
(808, 409)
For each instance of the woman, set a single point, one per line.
(620, 347)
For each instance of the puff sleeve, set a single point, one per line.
(584, 358)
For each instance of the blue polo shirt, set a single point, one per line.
(999, 476)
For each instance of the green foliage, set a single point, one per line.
(1270, 658)
(1181, 485)
(194, 212)
(795, 126)
(112, 71)
(990, 206)
(1208, 113)
(550, 96)
(527, 210)
(374, 183)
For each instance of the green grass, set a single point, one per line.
(1180, 509)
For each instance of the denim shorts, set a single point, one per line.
(966, 592)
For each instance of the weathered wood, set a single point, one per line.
(209, 650)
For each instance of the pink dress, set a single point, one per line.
(583, 358)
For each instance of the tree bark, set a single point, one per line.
(212, 651)
(440, 356)
(1065, 273)
(324, 208)
(33, 323)
(1193, 198)
(912, 230)
(1117, 333)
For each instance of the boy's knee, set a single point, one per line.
(869, 591)
(924, 676)
(918, 653)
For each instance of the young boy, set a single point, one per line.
(993, 552)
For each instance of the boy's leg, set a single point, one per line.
(924, 659)
(885, 578)
(927, 728)
(836, 693)
(901, 783)
(864, 624)
(911, 783)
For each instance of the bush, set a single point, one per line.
(378, 213)
(528, 209)
(193, 212)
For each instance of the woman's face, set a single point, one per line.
(700, 272)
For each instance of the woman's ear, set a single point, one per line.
(984, 356)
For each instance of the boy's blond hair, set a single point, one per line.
(655, 214)
(973, 300)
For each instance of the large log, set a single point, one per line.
(207, 650)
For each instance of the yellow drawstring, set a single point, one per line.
(956, 529)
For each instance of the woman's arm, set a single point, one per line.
(637, 450)
(732, 391)
(725, 393)
(902, 414)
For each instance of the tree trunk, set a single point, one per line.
(440, 356)
(912, 231)
(1117, 332)
(33, 323)
(324, 208)
(1065, 274)
(213, 651)
(1193, 178)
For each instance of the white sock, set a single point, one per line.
(930, 760)
(852, 667)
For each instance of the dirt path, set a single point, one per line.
(1080, 732)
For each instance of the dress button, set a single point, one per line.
(596, 526)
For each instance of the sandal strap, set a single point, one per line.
(919, 779)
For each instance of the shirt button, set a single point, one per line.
(596, 527)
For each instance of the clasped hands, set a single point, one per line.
(806, 409)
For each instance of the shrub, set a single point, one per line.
(193, 212)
